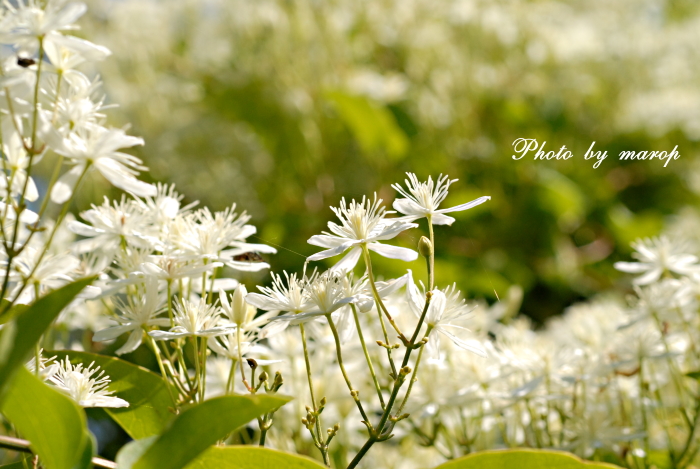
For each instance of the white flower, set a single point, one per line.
(205, 234)
(27, 22)
(99, 146)
(658, 256)
(445, 308)
(16, 162)
(80, 385)
(291, 298)
(361, 224)
(238, 311)
(326, 294)
(422, 199)
(194, 319)
(138, 313)
(111, 225)
(53, 272)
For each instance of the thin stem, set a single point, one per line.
(156, 351)
(377, 298)
(368, 264)
(431, 261)
(61, 216)
(321, 447)
(378, 432)
(240, 359)
(353, 392)
(204, 367)
(367, 357)
(17, 444)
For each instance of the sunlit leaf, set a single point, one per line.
(54, 425)
(251, 457)
(523, 459)
(19, 336)
(373, 125)
(199, 427)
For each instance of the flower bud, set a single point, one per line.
(425, 247)
(239, 308)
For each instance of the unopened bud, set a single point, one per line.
(239, 308)
(263, 376)
(252, 363)
(405, 370)
(425, 247)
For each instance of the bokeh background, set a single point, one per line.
(286, 106)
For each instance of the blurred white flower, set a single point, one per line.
(136, 314)
(658, 256)
(445, 308)
(98, 146)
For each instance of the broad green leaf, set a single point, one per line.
(132, 451)
(12, 312)
(523, 459)
(373, 125)
(54, 425)
(251, 457)
(18, 465)
(199, 427)
(694, 375)
(149, 402)
(19, 336)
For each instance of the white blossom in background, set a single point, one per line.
(658, 256)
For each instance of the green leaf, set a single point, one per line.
(149, 402)
(251, 457)
(199, 427)
(523, 459)
(18, 465)
(54, 425)
(694, 375)
(373, 125)
(132, 451)
(18, 337)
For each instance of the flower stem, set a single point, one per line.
(377, 298)
(320, 445)
(353, 392)
(367, 357)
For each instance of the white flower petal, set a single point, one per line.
(468, 205)
(393, 252)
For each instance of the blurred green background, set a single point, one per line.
(286, 106)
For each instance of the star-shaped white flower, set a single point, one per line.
(657, 256)
(422, 199)
(361, 224)
(445, 307)
(86, 386)
(194, 319)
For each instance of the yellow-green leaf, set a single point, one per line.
(523, 459)
(54, 425)
(251, 457)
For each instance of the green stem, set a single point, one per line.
(156, 351)
(377, 298)
(320, 445)
(431, 261)
(367, 357)
(353, 392)
(240, 359)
